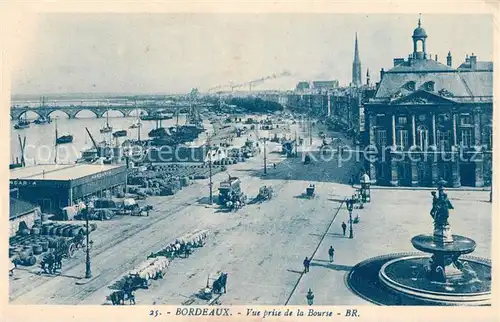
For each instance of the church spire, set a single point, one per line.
(356, 65)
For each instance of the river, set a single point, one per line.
(40, 139)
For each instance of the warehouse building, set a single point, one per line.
(53, 187)
(21, 211)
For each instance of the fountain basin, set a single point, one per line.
(408, 276)
(365, 280)
(460, 245)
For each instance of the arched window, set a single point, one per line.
(429, 86)
(422, 137)
(410, 86)
(420, 45)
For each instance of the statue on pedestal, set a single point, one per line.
(440, 213)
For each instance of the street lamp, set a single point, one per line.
(310, 297)
(265, 158)
(349, 204)
(88, 272)
(210, 183)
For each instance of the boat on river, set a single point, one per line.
(67, 138)
(120, 133)
(106, 128)
(22, 124)
(157, 116)
(42, 120)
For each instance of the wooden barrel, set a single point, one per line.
(67, 231)
(28, 250)
(37, 249)
(53, 242)
(52, 230)
(45, 245)
(46, 229)
(74, 231)
(23, 256)
(59, 230)
(30, 261)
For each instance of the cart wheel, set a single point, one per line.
(71, 250)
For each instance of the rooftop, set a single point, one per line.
(59, 172)
(20, 207)
(460, 84)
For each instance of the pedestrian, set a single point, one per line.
(331, 251)
(344, 227)
(352, 181)
(307, 262)
(274, 165)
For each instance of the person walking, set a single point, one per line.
(307, 263)
(344, 227)
(331, 251)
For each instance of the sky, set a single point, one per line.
(172, 53)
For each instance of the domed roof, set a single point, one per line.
(419, 32)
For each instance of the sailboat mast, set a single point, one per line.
(177, 116)
(55, 146)
(139, 129)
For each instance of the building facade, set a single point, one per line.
(53, 187)
(429, 121)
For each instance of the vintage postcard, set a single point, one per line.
(184, 162)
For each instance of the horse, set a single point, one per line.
(48, 264)
(220, 284)
(187, 251)
(117, 297)
(58, 261)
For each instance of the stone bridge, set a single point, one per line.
(99, 111)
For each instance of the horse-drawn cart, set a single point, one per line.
(209, 295)
(265, 193)
(150, 269)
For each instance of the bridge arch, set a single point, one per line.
(59, 110)
(86, 109)
(25, 112)
(138, 111)
(103, 113)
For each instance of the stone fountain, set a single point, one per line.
(444, 275)
(442, 278)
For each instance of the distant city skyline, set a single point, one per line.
(172, 53)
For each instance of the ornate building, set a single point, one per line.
(429, 120)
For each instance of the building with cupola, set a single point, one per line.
(429, 121)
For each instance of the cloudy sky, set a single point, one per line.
(172, 53)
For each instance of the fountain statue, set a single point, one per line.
(442, 278)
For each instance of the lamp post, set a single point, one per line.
(310, 297)
(88, 272)
(265, 158)
(349, 203)
(210, 183)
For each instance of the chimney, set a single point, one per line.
(473, 62)
(448, 59)
(381, 74)
(467, 60)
